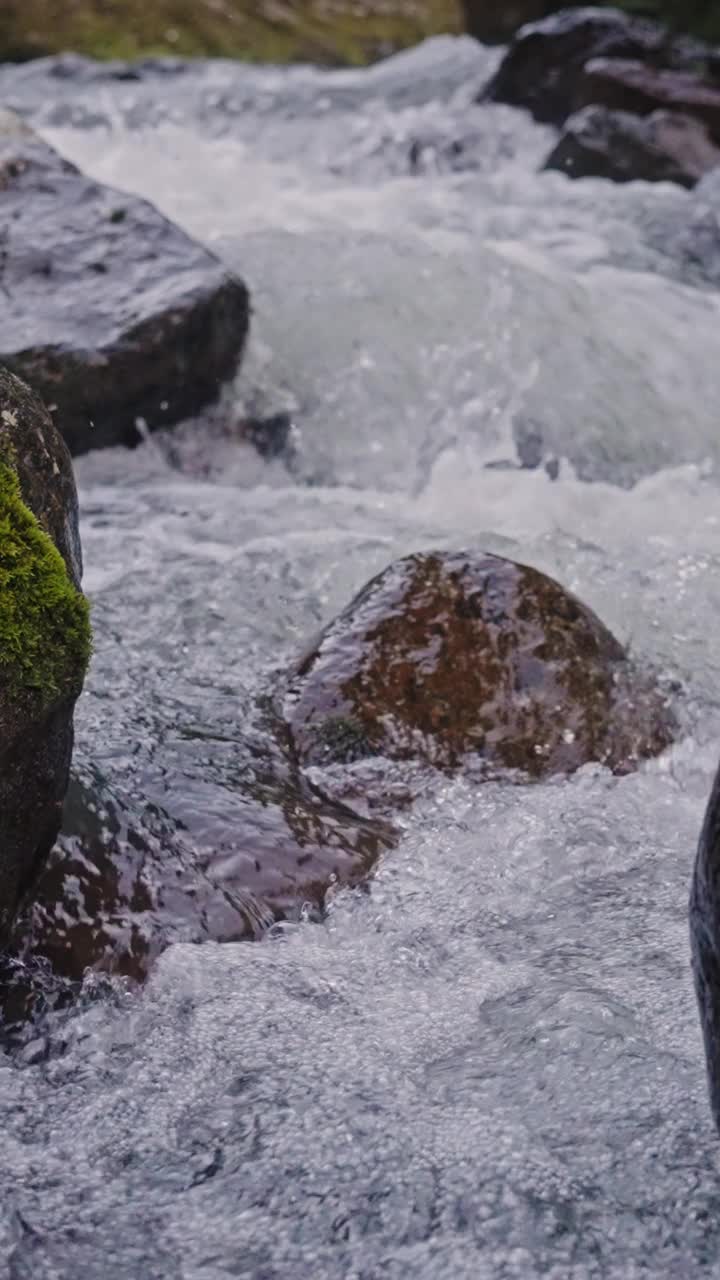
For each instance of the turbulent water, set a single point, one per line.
(490, 1065)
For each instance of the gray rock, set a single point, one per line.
(109, 311)
(544, 63)
(663, 147)
(44, 636)
(625, 85)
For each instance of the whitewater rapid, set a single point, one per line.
(489, 1066)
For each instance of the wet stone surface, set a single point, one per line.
(121, 885)
(110, 312)
(448, 657)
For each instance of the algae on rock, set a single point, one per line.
(44, 636)
(44, 618)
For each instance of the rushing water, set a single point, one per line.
(490, 1066)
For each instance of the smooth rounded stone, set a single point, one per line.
(114, 315)
(626, 85)
(463, 658)
(124, 881)
(663, 147)
(44, 636)
(544, 64)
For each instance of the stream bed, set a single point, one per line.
(489, 1066)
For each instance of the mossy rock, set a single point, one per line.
(44, 625)
(455, 659)
(44, 635)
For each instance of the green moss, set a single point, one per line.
(45, 637)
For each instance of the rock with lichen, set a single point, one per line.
(457, 658)
(44, 635)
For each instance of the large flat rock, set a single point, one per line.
(109, 311)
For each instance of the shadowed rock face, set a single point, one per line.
(44, 636)
(544, 65)
(449, 657)
(109, 311)
(705, 940)
(495, 21)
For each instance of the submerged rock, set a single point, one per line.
(663, 147)
(115, 316)
(625, 85)
(44, 636)
(125, 881)
(544, 65)
(451, 657)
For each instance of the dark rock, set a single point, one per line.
(449, 657)
(44, 636)
(663, 147)
(109, 311)
(495, 21)
(705, 940)
(543, 67)
(271, 435)
(624, 85)
(122, 883)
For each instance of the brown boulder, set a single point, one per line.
(447, 656)
(124, 883)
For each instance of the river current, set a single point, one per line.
(490, 1065)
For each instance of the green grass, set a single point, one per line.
(326, 31)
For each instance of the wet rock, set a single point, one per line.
(454, 658)
(545, 63)
(272, 435)
(113, 315)
(662, 147)
(44, 636)
(125, 881)
(624, 85)
(705, 941)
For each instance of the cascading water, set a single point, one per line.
(490, 1065)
